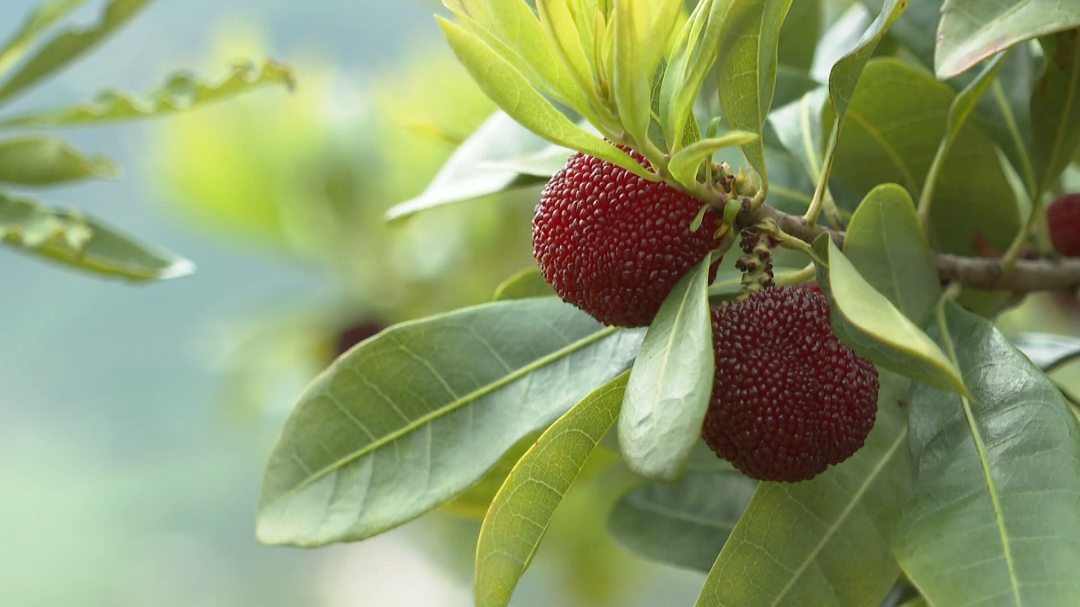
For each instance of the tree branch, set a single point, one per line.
(978, 272)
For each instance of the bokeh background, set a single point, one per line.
(135, 420)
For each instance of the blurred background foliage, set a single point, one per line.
(136, 419)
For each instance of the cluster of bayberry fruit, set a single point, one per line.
(789, 399)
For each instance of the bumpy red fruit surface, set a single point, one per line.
(789, 399)
(614, 244)
(1064, 217)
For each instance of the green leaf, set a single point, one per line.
(885, 244)
(799, 35)
(799, 128)
(476, 500)
(845, 74)
(791, 85)
(633, 79)
(67, 237)
(1055, 109)
(695, 52)
(467, 174)
(872, 326)
(894, 125)
(512, 92)
(181, 92)
(671, 382)
(523, 285)
(972, 30)
(684, 165)
(684, 523)
(36, 24)
(993, 518)
(64, 48)
(1048, 351)
(522, 510)
(746, 68)
(45, 161)
(823, 541)
(543, 163)
(413, 417)
(916, 28)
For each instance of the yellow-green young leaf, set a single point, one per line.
(824, 541)
(671, 382)
(181, 92)
(972, 30)
(684, 164)
(37, 23)
(993, 518)
(68, 46)
(410, 419)
(746, 66)
(872, 326)
(632, 81)
(509, 89)
(562, 33)
(886, 245)
(1055, 108)
(523, 285)
(522, 510)
(693, 55)
(39, 161)
(85, 244)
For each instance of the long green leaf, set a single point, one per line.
(1055, 109)
(36, 161)
(632, 79)
(181, 92)
(972, 30)
(523, 508)
(993, 519)
(411, 418)
(824, 541)
(671, 382)
(68, 46)
(36, 24)
(68, 237)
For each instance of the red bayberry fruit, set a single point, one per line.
(789, 399)
(614, 244)
(1064, 217)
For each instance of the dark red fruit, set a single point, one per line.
(789, 399)
(1064, 217)
(355, 334)
(614, 244)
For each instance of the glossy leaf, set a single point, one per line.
(799, 34)
(69, 45)
(523, 508)
(872, 326)
(671, 382)
(523, 285)
(39, 21)
(411, 418)
(69, 238)
(1055, 108)
(972, 30)
(993, 518)
(888, 248)
(684, 165)
(467, 174)
(823, 541)
(684, 523)
(180, 93)
(513, 93)
(36, 161)
(746, 67)
(1048, 351)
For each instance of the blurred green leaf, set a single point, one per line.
(633, 79)
(791, 85)
(916, 28)
(181, 92)
(508, 88)
(846, 73)
(467, 174)
(684, 165)
(1048, 351)
(746, 67)
(36, 161)
(66, 236)
(36, 24)
(972, 30)
(543, 163)
(993, 517)
(671, 382)
(799, 34)
(414, 416)
(798, 125)
(872, 326)
(823, 541)
(69, 45)
(523, 285)
(1055, 108)
(684, 523)
(895, 124)
(523, 508)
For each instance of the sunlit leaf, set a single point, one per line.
(36, 161)
(36, 24)
(695, 51)
(632, 78)
(683, 166)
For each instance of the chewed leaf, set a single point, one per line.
(85, 244)
(180, 93)
(36, 161)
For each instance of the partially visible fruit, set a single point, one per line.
(355, 334)
(1063, 216)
